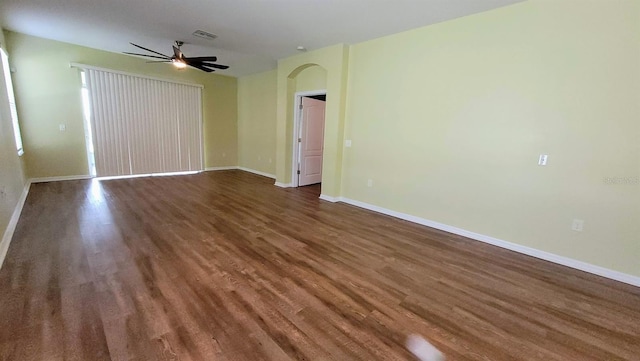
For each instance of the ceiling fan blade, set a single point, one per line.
(202, 58)
(149, 50)
(149, 56)
(211, 65)
(201, 67)
(204, 63)
(177, 52)
(217, 66)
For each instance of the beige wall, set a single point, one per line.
(449, 120)
(257, 95)
(48, 94)
(11, 177)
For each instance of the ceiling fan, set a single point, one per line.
(204, 63)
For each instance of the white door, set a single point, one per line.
(311, 141)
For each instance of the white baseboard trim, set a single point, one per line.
(56, 179)
(13, 222)
(210, 169)
(565, 261)
(331, 199)
(268, 175)
(283, 185)
(245, 169)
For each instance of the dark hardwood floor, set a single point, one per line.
(225, 266)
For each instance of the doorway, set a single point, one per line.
(308, 138)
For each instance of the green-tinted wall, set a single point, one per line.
(257, 96)
(449, 121)
(311, 78)
(257, 122)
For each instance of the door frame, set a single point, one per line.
(297, 127)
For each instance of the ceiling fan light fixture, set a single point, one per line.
(179, 63)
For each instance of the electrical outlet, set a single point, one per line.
(370, 183)
(577, 225)
(62, 127)
(347, 143)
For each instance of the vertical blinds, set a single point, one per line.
(142, 126)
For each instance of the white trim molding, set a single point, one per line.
(283, 185)
(565, 261)
(61, 178)
(264, 174)
(244, 169)
(213, 169)
(13, 222)
(331, 199)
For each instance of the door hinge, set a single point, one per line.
(299, 140)
(298, 171)
(300, 107)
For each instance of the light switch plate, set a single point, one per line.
(542, 160)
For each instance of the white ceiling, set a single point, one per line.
(252, 34)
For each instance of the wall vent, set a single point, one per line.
(205, 35)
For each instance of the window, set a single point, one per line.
(88, 133)
(12, 101)
(141, 125)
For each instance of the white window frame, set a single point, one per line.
(12, 101)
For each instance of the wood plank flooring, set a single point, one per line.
(225, 266)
